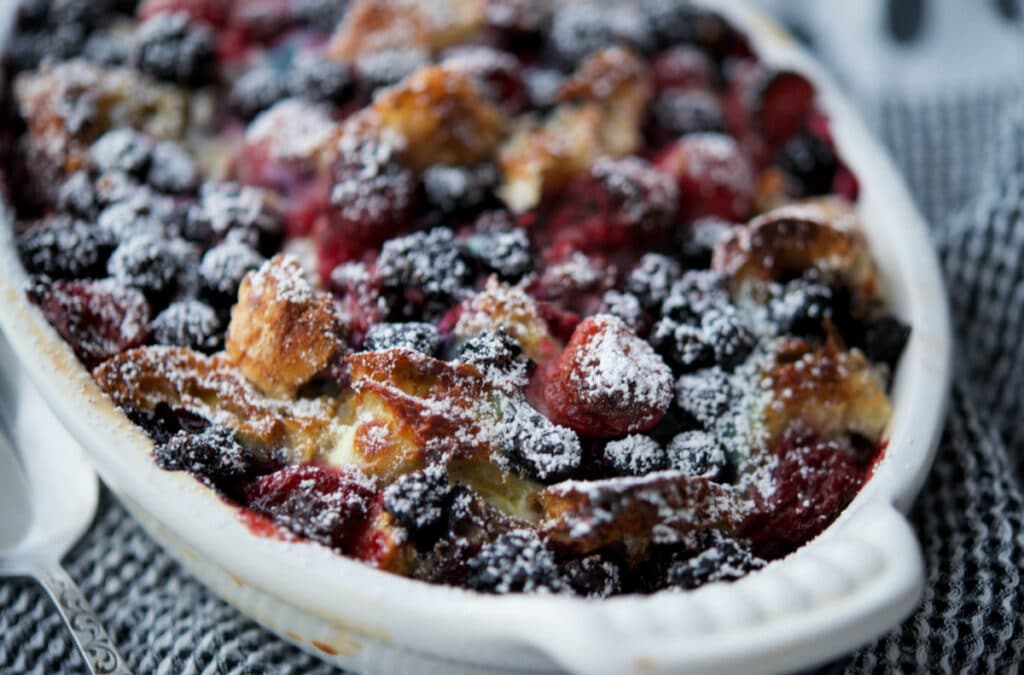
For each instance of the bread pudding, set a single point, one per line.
(510, 295)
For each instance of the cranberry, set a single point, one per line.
(714, 176)
(329, 506)
(609, 382)
(814, 481)
(97, 318)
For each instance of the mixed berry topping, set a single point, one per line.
(509, 295)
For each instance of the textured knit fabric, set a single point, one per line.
(964, 159)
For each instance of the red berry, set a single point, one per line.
(714, 177)
(329, 506)
(213, 12)
(814, 482)
(683, 67)
(784, 102)
(609, 382)
(97, 318)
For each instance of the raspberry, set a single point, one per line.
(189, 323)
(578, 30)
(98, 319)
(145, 263)
(652, 278)
(426, 268)
(697, 453)
(256, 90)
(634, 455)
(124, 150)
(705, 395)
(172, 169)
(723, 559)
(316, 79)
(814, 481)
(811, 162)
(420, 337)
(609, 381)
(420, 502)
(328, 506)
(63, 248)
(713, 175)
(222, 269)
(214, 455)
(170, 48)
(506, 254)
(516, 562)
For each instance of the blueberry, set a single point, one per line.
(705, 395)
(811, 161)
(515, 562)
(418, 336)
(222, 269)
(318, 79)
(170, 48)
(697, 453)
(506, 254)
(188, 323)
(256, 90)
(124, 150)
(634, 455)
(420, 502)
(61, 247)
(652, 279)
(172, 169)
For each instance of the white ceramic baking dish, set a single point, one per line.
(851, 584)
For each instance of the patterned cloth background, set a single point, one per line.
(960, 142)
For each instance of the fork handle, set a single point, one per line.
(99, 652)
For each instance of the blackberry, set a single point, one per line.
(652, 279)
(61, 247)
(318, 79)
(625, 306)
(108, 49)
(145, 263)
(222, 269)
(170, 48)
(697, 453)
(77, 196)
(677, 112)
(451, 189)
(696, 243)
(811, 162)
(677, 22)
(725, 331)
(214, 455)
(256, 90)
(705, 395)
(580, 29)
(385, 68)
(724, 559)
(634, 455)
(172, 169)
(498, 357)
(319, 15)
(506, 254)
(802, 308)
(592, 576)
(684, 347)
(124, 150)
(693, 294)
(249, 212)
(426, 267)
(884, 339)
(535, 446)
(85, 13)
(188, 323)
(420, 502)
(132, 218)
(515, 562)
(418, 336)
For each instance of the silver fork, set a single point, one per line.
(48, 496)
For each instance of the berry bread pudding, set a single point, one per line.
(510, 295)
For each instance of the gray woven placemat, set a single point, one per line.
(964, 159)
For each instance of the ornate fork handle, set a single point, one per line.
(99, 652)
